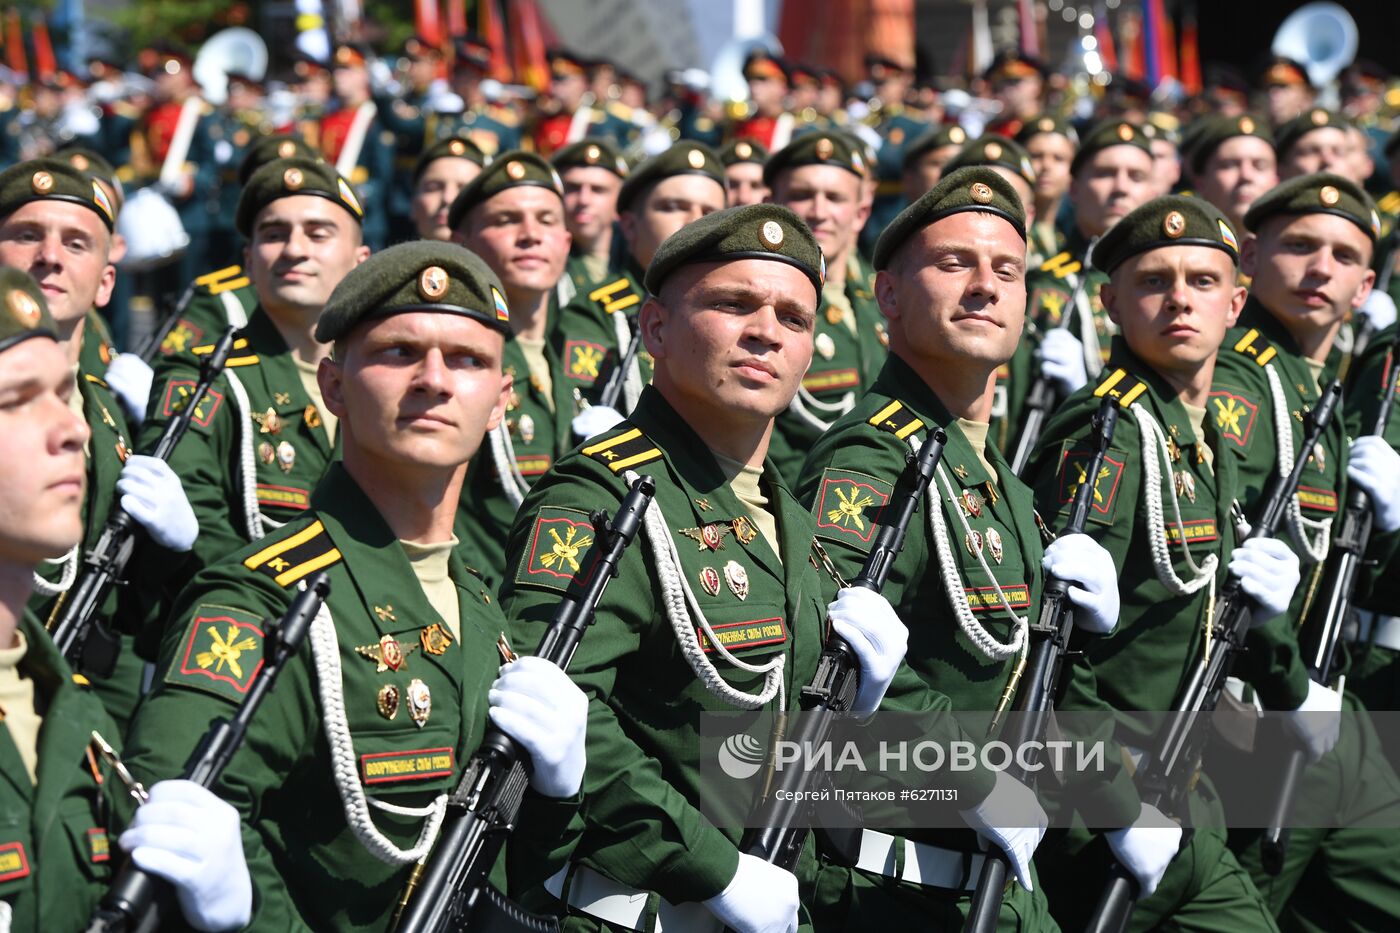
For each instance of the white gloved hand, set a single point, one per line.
(151, 493)
(1322, 726)
(595, 420)
(1380, 308)
(1268, 571)
(1062, 360)
(1147, 847)
(1082, 560)
(1011, 819)
(869, 624)
(535, 703)
(1375, 467)
(130, 379)
(191, 838)
(760, 898)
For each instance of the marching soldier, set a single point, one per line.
(344, 773)
(593, 171)
(1051, 143)
(743, 163)
(732, 624)
(1231, 163)
(493, 127)
(1314, 141)
(442, 171)
(1287, 88)
(234, 128)
(1018, 84)
(926, 157)
(354, 139)
(572, 112)
(766, 119)
(898, 128)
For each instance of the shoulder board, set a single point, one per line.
(219, 275)
(246, 359)
(1121, 386)
(218, 288)
(628, 449)
(80, 680)
(1256, 345)
(296, 556)
(615, 296)
(896, 419)
(1390, 203)
(1061, 265)
(94, 379)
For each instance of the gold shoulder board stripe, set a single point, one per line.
(295, 557)
(606, 292)
(1123, 387)
(898, 420)
(622, 304)
(1256, 345)
(240, 343)
(1390, 203)
(627, 449)
(1062, 265)
(91, 378)
(219, 288)
(247, 359)
(227, 272)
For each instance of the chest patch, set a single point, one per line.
(849, 506)
(221, 653)
(1234, 416)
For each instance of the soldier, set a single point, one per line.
(1287, 88)
(926, 157)
(402, 115)
(951, 283)
(593, 172)
(1018, 84)
(1231, 163)
(766, 120)
(898, 127)
(572, 112)
(1051, 144)
(55, 851)
(493, 127)
(356, 141)
(442, 171)
(1314, 141)
(730, 325)
(743, 162)
(1172, 267)
(234, 127)
(391, 696)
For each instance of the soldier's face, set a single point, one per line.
(1050, 155)
(1173, 306)
(1323, 150)
(955, 292)
(1286, 101)
(731, 341)
(1166, 166)
(671, 204)
(1309, 270)
(1110, 184)
(828, 199)
(590, 202)
(416, 390)
(1023, 189)
(302, 247)
(520, 233)
(64, 246)
(744, 182)
(927, 170)
(42, 477)
(1240, 170)
(437, 188)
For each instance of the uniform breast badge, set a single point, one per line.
(435, 639)
(389, 655)
(420, 702)
(744, 530)
(737, 578)
(388, 701)
(994, 544)
(286, 456)
(709, 536)
(709, 580)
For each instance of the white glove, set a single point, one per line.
(1011, 819)
(130, 379)
(1062, 360)
(1375, 467)
(1268, 571)
(760, 898)
(535, 703)
(868, 623)
(1082, 560)
(151, 493)
(189, 837)
(595, 420)
(1320, 729)
(1147, 847)
(1380, 308)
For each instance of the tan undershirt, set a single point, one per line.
(429, 563)
(1316, 369)
(595, 266)
(976, 434)
(744, 480)
(539, 366)
(17, 706)
(75, 405)
(834, 295)
(1197, 417)
(307, 372)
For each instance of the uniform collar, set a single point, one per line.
(1260, 318)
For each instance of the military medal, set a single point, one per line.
(267, 454)
(825, 346)
(1186, 485)
(1173, 450)
(420, 702)
(282, 398)
(388, 701)
(972, 503)
(710, 536)
(834, 314)
(709, 580)
(703, 505)
(737, 578)
(311, 416)
(435, 638)
(388, 655)
(994, 544)
(503, 648)
(744, 530)
(123, 452)
(882, 334)
(526, 425)
(286, 456)
(960, 471)
(973, 541)
(268, 422)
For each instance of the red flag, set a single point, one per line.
(456, 18)
(1134, 62)
(427, 22)
(1191, 54)
(493, 31)
(14, 43)
(1030, 39)
(1167, 38)
(45, 66)
(1103, 32)
(531, 60)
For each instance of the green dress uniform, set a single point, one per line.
(221, 298)
(596, 330)
(984, 525)
(897, 130)
(341, 778)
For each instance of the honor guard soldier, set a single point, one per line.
(743, 162)
(355, 140)
(1161, 508)
(1018, 84)
(345, 771)
(422, 59)
(820, 177)
(593, 171)
(1287, 88)
(572, 112)
(1231, 163)
(1051, 142)
(724, 549)
(1314, 141)
(926, 157)
(59, 799)
(765, 118)
(898, 127)
(1309, 258)
(442, 171)
(55, 223)
(235, 126)
(951, 283)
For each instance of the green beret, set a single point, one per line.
(453, 147)
(1321, 193)
(937, 138)
(974, 188)
(508, 170)
(53, 179)
(836, 149)
(684, 158)
(26, 313)
(1163, 126)
(94, 165)
(421, 275)
(1207, 134)
(1047, 123)
(1106, 135)
(590, 153)
(1173, 220)
(743, 150)
(1315, 118)
(754, 231)
(283, 178)
(996, 151)
(271, 148)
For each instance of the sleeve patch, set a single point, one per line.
(849, 506)
(181, 338)
(1074, 469)
(584, 360)
(1048, 304)
(1234, 416)
(560, 550)
(221, 653)
(177, 393)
